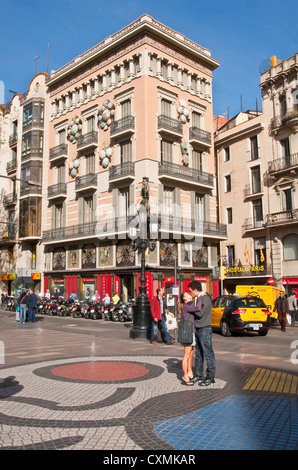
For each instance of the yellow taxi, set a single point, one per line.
(234, 314)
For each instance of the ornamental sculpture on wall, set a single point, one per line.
(105, 154)
(74, 129)
(106, 115)
(74, 166)
(183, 113)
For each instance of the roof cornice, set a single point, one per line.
(145, 22)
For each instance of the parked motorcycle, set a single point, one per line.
(95, 311)
(76, 309)
(11, 304)
(107, 313)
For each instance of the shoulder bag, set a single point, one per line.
(185, 331)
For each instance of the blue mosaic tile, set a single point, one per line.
(236, 422)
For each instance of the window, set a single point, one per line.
(199, 207)
(30, 217)
(231, 254)
(168, 200)
(283, 105)
(125, 108)
(228, 186)
(196, 119)
(260, 251)
(166, 107)
(90, 164)
(126, 151)
(61, 137)
(197, 160)
(166, 151)
(290, 244)
(87, 210)
(31, 171)
(285, 148)
(229, 215)
(255, 179)
(257, 213)
(287, 200)
(227, 155)
(57, 216)
(90, 124)
(61, 174)
(33, 114)
(254, 150)
(123, 202)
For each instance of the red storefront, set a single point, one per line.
(290, 284)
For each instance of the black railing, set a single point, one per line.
(122, 170)
(122, 125)
(283, 163)
(59, 151)
(83, 182)
(185, 173)
(169, 124)
(91, 138)
(195, 133)
(57, 189)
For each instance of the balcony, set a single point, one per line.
(9, 199)
(123, 126)
(282, 218)
(87, 141)
(174, 172)
(199, 136)
(169, 125)
(289, 119)
(13, 139)
(58, 153)
(86, 183)
(252, 224)
(124, 171)
(72, 232)
(255, 189)
(191, 227)
(12, 166)
(30, 189)
(57, 191)
(283, 164)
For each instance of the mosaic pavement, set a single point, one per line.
(129, 403)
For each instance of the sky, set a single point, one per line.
(241, 34)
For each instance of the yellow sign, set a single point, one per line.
(36, 276)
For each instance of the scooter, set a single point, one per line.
(107, 313)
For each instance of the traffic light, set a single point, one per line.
(223, 273)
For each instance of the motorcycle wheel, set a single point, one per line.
(115, 316)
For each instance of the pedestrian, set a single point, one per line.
(115, 298)
(96, 296)
(292, 307)
(189, 349)
(204, 349)
(73, 297)
(23, 307)
(281, 306)
(106, 300)
(32, 303)
(158, 310)
(48, 294)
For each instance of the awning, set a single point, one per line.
(23, 280)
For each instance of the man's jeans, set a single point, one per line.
(162, 322)
(205, 351)
(31, 314)
(23, 310)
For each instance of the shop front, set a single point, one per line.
(290, 285)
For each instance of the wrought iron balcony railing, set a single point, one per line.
(86, 181)
(185, 173)
(60, 151)
(123, 170)
(283, 163)
(87, 140)
(199, 135)
(169, 124)
(57, 190)
(284, 217)
(126, 124)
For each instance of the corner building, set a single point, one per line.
(139, 104)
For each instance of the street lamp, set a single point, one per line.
(143, 232)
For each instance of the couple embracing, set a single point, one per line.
(201, 346)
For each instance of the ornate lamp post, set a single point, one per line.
(147, 227)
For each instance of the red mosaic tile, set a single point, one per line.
(101, 371)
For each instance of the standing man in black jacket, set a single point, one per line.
(204, 349)
(32, 303)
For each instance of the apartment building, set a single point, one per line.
(257, 176)
(24, 140)
(135, 108)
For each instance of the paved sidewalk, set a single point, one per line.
(78, 385)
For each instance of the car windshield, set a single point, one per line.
(250, 302)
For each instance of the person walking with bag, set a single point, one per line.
(292, 307)
(158, 311)
(32, 303)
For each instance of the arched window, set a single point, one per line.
(290, 243)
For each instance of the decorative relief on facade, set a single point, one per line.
(89, 257)
(105, 255)
(183, 113)
(74, 166)
(106, 115)
(74, 129)
(59, 259)
(105, 154)
(200, 257)
(168, 251)
(125, 256)
(185, 152)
